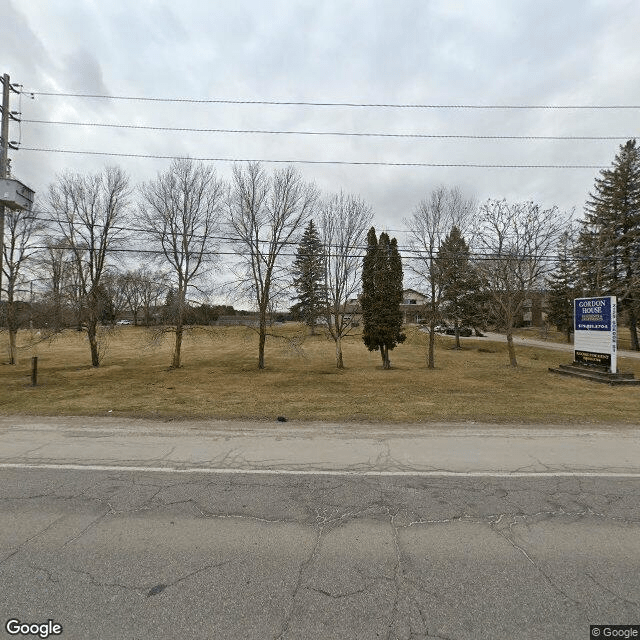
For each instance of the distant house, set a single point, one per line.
(534, 309)
(412, 305)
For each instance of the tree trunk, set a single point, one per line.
(13, 351)
(92, 333)
(175, 363)
(57, 313)
(180, 313)
(79, 317)
(457, 330)
(384, 354)
(568, 335)
(510, 348)
(262, 336)
(432, 342)
(339, 362)
(13, 329)
(633, 330)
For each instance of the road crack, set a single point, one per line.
(298, 584)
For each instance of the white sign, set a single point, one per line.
(596, 331)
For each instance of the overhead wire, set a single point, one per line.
(472, 258)
(418, 253)
(313, 161)
(302, 103)
(363, 134)
(368, 163)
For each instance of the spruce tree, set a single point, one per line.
(562, 287)
(591, 263)
(612, 223)
(170, 307)
(382, 296)
(308, 278)
(461, 284)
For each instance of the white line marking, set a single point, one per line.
(328, 472)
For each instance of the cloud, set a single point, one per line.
(441, 51)
(21, 49)
(83, 72)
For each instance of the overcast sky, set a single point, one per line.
(483, 52)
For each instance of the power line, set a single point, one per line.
(471, 165)
(422, 255)
(408, 252)
(327, 104)
(323, 133)
(420, 252)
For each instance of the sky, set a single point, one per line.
(437, 52)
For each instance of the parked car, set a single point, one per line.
(464, 332)
(124, 322)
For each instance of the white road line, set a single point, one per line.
(328, 472)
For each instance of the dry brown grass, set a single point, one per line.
(220, 380)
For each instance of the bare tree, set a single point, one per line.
(56, 271)
(130, 290)
(19, 252)
(153, 286)
(87, 209)
(344, 221)
(141, 289)
(181, 209)
(266, 213)
(430, 224)
(113, 296)
(517, 241)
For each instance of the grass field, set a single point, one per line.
(219, 379)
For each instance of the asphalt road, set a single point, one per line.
(201, 550)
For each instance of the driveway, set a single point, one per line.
(534, 342)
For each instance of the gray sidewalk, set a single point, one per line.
(221, 445)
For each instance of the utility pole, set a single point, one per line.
(4, 153)
(5, 145)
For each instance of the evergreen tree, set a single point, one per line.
(170, 307)
(308, 278)
(591, 263)
(612, 225)
(462, 293)
(382, 296)
(562, 285)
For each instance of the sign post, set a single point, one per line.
(595, 327)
